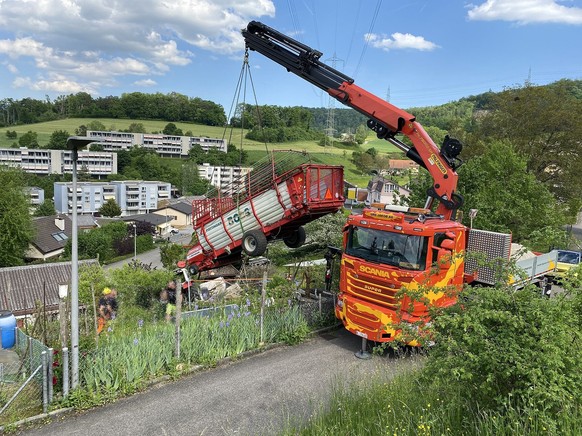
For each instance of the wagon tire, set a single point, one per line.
(296, 239)
(254, 243)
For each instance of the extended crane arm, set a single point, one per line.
(384, 118)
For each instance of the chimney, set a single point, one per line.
(60, 222)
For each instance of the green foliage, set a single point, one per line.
(500, 345)
(170, 254)
(28, 140)
(92, 280)
(58, 140)
(543, 125)
(96, 125)
(136, 128)
(16, 230)
(326, 230)
(508, 198)
(139, 285)
(171, 129)
(383, 404)
(46, 208)
(361, 134)
(110, 208)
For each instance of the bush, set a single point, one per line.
(500, 346)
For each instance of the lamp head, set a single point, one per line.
(78, 142)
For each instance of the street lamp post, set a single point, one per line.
(73, 144)
(134, 241)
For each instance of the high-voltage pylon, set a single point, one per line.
(330, 124)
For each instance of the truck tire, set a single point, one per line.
(254, 243)
(296, 239)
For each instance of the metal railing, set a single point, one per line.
(26, 377)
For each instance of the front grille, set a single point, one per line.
(373, 290)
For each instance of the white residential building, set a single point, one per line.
(164, 145)
(36, 195)
(44, 162)
(385, 191)
(133, 196)
(226, 179)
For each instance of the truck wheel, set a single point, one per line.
(254, 243)
(295, 239)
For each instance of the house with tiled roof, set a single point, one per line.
(161, 223)
(24, 288)
(51, 236)
(385, 191)
(400, 166)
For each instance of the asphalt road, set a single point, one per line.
(257, 395)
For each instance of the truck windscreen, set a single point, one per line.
(394, 249)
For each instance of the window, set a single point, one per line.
(60, 236)
(396, 249)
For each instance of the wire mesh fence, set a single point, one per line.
(25, 379)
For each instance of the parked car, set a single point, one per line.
(173, 230)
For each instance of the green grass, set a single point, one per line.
(336, 155)
(404, 406)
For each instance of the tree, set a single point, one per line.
(28, 140)
(543, 124)
(96, 125)
(58, 140)
(136, 128)
(361, 134)
(46, 208)
(508, 198)
(171, 129)
(16, 230)
(110, 208)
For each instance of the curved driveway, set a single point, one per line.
(253, 396)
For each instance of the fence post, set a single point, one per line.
(178, 317)
(65, 364)
(30, 355)
(43, 358)
(16, 339)
(50, 374)
(263, 296)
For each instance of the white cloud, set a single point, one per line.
(146, 83)
(400, 41)
(92, 40)
(526, 11)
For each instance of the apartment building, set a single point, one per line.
(133, 196)
(164, 145)
(43, 161)
(226, 179)
(36, 195)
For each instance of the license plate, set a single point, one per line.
(363, 335)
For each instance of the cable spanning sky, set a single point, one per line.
(417, 53)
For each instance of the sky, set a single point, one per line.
(412, 53)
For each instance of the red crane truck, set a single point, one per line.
(388, 248)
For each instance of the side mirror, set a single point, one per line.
(448, 244)
(444, 258)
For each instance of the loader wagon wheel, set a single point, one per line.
(296, 239)
(254, 243)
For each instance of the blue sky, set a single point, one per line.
(417, 53)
